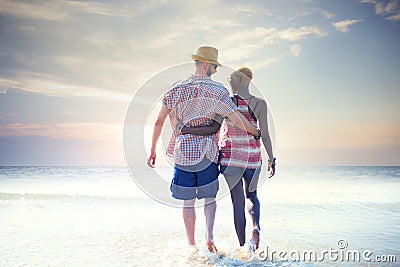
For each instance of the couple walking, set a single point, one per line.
(197, 107)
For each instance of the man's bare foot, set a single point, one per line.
(211, 246)
(256, 237)
(193, 247)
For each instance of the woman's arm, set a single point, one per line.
(204, 130)
(261, 112)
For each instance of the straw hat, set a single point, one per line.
(207, 54)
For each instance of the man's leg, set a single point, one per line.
(189, 217)
(183, 187)
(208, 186)
(210, 207)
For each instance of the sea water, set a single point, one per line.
(97, 216)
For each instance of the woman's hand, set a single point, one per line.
(271, 167)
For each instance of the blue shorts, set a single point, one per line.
(188, 185)
(233, 175)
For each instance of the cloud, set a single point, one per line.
(248, 11)
(7, 115)
(53, 11)
(394, 17)
(296, 34)
(239, 53)
(108, 50)
(48, 85)
(49, 10)
(343, 26)
(38, 10)
(263, 62)
(250, 34)
(257, 39)
(391, 9)
(18, 106)
(300, 13)
(327, 14)
(196, 23)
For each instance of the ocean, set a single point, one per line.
(98, 216)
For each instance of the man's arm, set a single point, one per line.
(162, 115)
(239, 120)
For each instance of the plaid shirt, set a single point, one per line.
(194, 102)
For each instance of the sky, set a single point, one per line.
(329, 71)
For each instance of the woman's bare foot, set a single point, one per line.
(256, 237)
(211, 246)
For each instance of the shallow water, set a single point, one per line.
(96, 216)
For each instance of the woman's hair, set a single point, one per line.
(246, 71)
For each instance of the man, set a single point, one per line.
(195, 102)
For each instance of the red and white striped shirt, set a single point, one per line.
(238, 147)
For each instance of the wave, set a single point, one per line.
(52, 197)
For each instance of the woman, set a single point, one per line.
(240, 153)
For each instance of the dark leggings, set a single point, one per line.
(238, 202)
